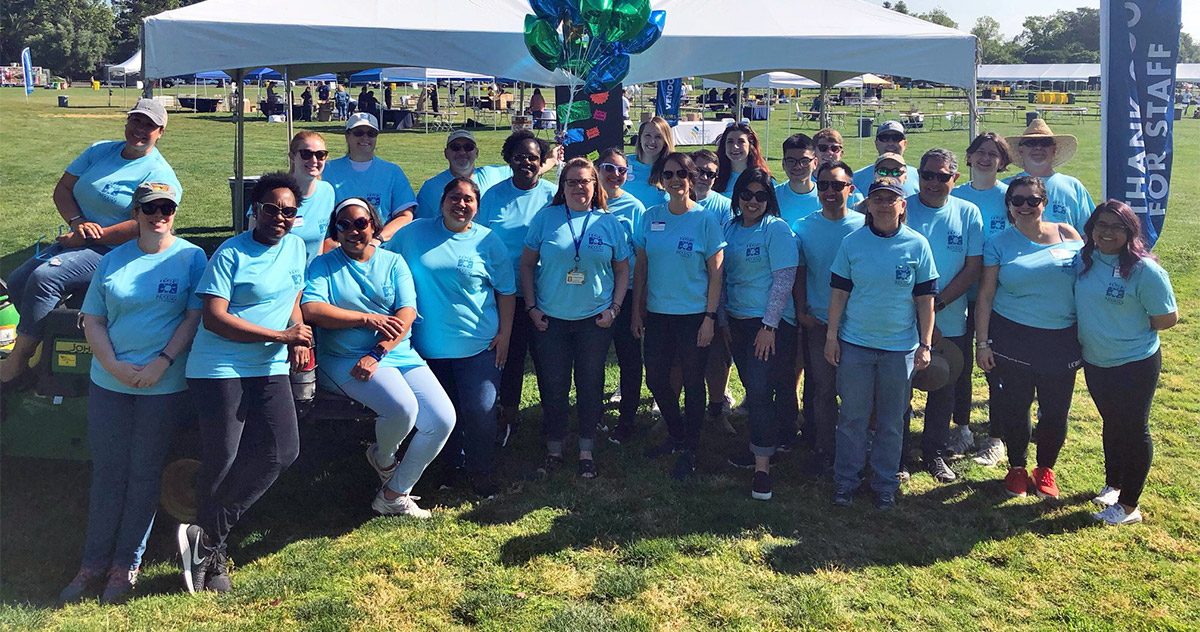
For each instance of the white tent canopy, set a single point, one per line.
(422, 75)
(1038, 72)
(131, 66)
(781, 79)
(1187, 72)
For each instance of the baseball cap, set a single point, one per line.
(886, 183)
(358, 119)
(460, 133)
(890, 126)
(150, 191)
(152, 109)
(896, 158)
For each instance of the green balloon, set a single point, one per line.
(628, 17)
(597, 14)
(543, 42)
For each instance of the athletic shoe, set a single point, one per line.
(120, 583)
(787, 444)
(654, 409)
(1043, 482)
(384, 473)
(218, 573)
(902, 474)
(622, 433)
(885, 501)
(843, 497)
(991, 453)
(685, 466)
(86, 581)
(1114, 516)
(615, 398)
(940, 472)
(484, 484)
(670, 446)
(403, 505)
(961, 441)
(1017, 482)
(1107, 498)
(195, 554)
(761, 488)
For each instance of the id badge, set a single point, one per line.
(575, 277)
(298, 222)
(658, 227)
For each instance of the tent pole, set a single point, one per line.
(287, 87)
(824, 98)
(239, 197)
(740, 107)
(767, 146)
(973, 112)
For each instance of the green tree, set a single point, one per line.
(938, 16)
(70, 37)
(1063, 38)
(1189, 51)
(899, 6)
(129, 14)
(993, 48)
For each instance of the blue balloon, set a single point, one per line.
(548, 10)
(649, 34)
(607, 73)
(574, 135)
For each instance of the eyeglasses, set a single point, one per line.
(457, 147)
(578, 182)
(706, 174)
(358, 223)
(307, 154)
(682, 174)
(758, 196)
(1026, 200)
(827, 148)
(788, 163)
(609, 167)
(836, 185)
(166, 209)
(892, 172)
(526, 158)
(286, 212)
(369, 133)
(933, 175)
(1038, 142)
(889, 138)
(1105, 227)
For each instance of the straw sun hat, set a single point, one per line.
(1064, 144)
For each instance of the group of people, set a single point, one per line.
(425, 307)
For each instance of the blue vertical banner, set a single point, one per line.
(27, 70)
(670, 94)
(1139, 47)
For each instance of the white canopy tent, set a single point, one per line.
(1187, 72)
(1038, 72)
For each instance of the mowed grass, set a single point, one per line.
(631, 550)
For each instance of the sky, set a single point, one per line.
(1012, 13)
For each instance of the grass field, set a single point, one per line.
(631, 550)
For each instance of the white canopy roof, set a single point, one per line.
(131, 66)
(702, 37)
(1038, 72)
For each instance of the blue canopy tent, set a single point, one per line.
(321, 78)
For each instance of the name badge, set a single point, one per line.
(1062, 253)
(658, 227)
(1116, 272)
(298, 223)
(575, 277)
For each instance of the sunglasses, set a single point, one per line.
(758, 196)
(940, 177)
(833, 148)
(286, 212)
(1105, 227)
(836, 185)
(788, 163)
(467, 147)
(526, 158)
(706, 174)
(892, 172)
(682, 174)
(1026, 200)
(609, 167)
(1038, 142)
(358, 223)
(369, 133)
(166, 209)
(307, 154)
(889, 138)
(578, 182)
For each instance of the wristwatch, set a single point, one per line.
(767, 327)
(712, 315)
(925, 346)
(530, 308)
(939, 305)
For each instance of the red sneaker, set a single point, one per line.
(1017, 482)
(1043, 482)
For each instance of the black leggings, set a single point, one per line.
(1123, 395)
(1015, 389)
(629, 359)
(512, 376)
(670, 337)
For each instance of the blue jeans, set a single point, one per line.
(770, 384)
(629, 359)
(581, 344)
(512, 376)
(472, 384)
(939, 408)
(670, 338)
(871, 379)
(38, 285)
(129, 436)
(820, 391)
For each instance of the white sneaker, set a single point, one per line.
(1114, 515)
(654, 410)
(961, 440)
(385, 474)
(991, 453)
(1107, 498)
(615, 398)
(400, 506)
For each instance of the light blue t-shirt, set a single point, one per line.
(646, 193)
(602, 240)
(993, 211)
(880, 313)
(819, 239)
(794, 206)
(1114, 314)
(429, 198)
(954, 232)
(312, 219)
(1067, 200)
(457, 276)
(719, 206)
(379, 285)
(638, 172)
(507, 211)
(629, 211)
(107, 181)
(144, 298)
(677, 248)
(261, 284)
(752, 254)
(381, 183)
(1036, 286)
(864, 177)
(728, 190)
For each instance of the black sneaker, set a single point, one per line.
(670, 446)
(685, 466)
(195, 554)
(622, 433)
(903, 474)
(761, 489)
(484, 484)
(885, 501)
(843, 497)
(218, 573)
(940, 472)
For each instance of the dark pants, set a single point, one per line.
(820, 392)
(472, 384)
(770, 384)
(1014, 392)
(629, 359)
(670, 337)
(939, 408)
(512, 377)
(962, 388)
(581, 345)
(248, 436)
(1123, 395)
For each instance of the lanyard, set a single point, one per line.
(582, 232)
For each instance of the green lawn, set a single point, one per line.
(631, 550)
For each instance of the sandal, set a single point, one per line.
(587, 468)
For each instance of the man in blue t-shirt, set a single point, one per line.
(363, 175)
(889, 139)
(461, 153)
(1039, 151)
(798, 195)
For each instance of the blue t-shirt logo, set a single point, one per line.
(684, 249)
(595, 243)
(466, 265)
(168, 290)
(903, 274)
(1059, 212)
(1115, 293)
(954, 241)
(297, 278)
(998, 224)
(754, 252)
(374, 198)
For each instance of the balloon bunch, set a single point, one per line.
(591, 40)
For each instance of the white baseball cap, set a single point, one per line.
(358, 119)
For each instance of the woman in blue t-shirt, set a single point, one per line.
(575, 272)
(654, 140)
(879, 272)
(737, 150)
(306, 157)
(140, 316)
(465, 295)
(362, 301)
(760, 271)
(1123, 299)
(1025, 333)
(628, 210)
(677, 285)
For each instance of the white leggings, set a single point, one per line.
(401, 401)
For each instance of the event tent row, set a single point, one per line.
(1064, 72)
